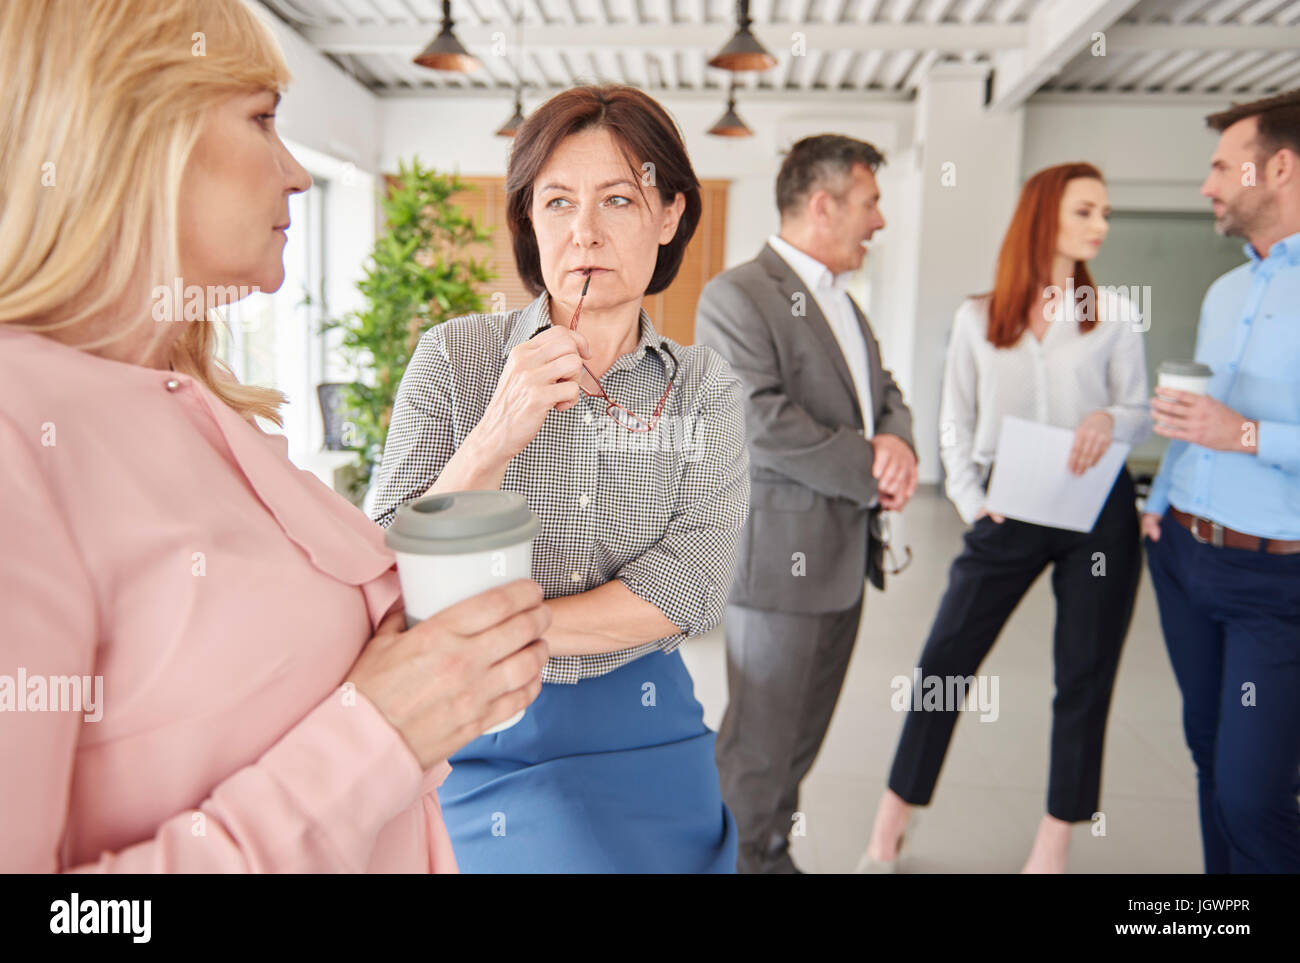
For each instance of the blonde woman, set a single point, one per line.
(205, 643)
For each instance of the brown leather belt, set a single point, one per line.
(1221, 537)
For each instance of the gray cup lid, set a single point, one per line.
(457, 523)
(1188, 369)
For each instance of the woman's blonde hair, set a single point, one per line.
(101, 104)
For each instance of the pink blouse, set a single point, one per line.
(158, 545)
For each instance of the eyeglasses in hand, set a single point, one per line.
(885, 538)
(623, 416)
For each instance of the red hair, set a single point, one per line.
(1024, 269)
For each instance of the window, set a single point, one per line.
(273, 339)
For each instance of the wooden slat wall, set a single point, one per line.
(672, 311)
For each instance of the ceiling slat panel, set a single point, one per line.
(1286, 78)
(1261, 71)
(379, 62)
(1223, 75)
(1163, 76)
(896, 67)
(1188, 78)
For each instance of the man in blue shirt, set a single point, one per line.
(1222, 521)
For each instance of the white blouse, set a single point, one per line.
(1059, 381)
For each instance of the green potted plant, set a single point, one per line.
(418, 275)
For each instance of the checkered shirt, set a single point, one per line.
(661, 511)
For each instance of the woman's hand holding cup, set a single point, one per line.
(445, 680)
(540, 374)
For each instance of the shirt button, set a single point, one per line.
(172, 384)
(575, 577)
(584, 500)
(586, 417)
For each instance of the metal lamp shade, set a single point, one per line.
(447, 53)
(743, 52)
(730, 125)
(511, 126)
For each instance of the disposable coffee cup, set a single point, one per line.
(1184, 376)
(455, 545)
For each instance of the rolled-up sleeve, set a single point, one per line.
(688, 572)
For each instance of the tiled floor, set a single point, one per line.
(992, 790)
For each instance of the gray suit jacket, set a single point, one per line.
(810, 538)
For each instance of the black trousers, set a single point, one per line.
(1093, 611)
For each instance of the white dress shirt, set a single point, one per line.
(831, 293)
(1060, 381)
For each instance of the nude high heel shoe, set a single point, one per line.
(868, 865)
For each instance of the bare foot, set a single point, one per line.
(891, 820)
(1050, 847)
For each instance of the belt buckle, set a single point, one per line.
(1216, 532)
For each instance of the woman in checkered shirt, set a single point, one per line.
(630, 448)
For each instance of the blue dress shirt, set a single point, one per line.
(1249, 334)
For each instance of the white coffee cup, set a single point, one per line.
(1184, 376)
(454, 545)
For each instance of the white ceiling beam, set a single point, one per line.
(1203, 37)
(758, 94)
(1058, 30)
(940, 37)
(943, 37)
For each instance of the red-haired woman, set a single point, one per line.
(1076, 363)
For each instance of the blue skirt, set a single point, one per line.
(613, 775)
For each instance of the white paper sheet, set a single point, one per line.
(1032, 481)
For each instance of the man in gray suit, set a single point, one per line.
(830, 444)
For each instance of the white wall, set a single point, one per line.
(1154, 154)
(324, 108)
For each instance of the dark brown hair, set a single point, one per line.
(821, 161)
(645, 133)
(1024, 267)
(1278, 118)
